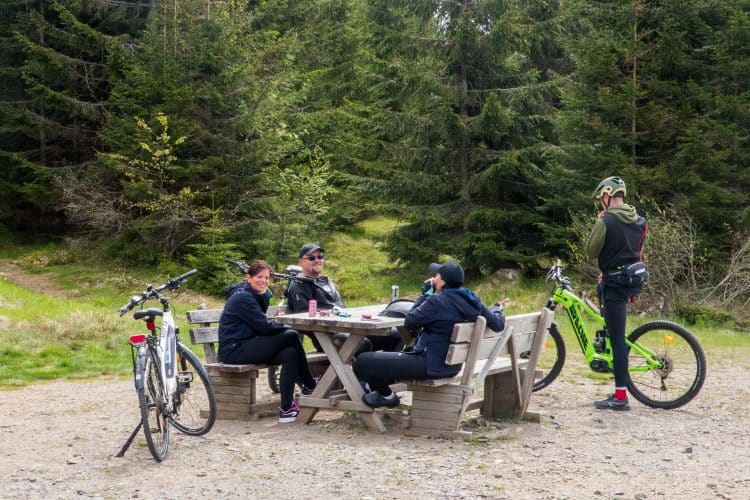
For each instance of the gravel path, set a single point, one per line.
(58, 440)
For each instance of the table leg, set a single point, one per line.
(340, 370)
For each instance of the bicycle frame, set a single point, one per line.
(577, 308)
(166, 345)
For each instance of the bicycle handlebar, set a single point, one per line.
(171, 285)
(284, 276)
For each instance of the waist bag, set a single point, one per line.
(632, 276)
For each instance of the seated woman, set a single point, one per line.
(435, 316)
(247, 336)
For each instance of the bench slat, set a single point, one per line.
(524, 328)
(204, 335)
(204, 316)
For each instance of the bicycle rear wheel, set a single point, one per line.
(153, 407)
(195, 403)
(683, 368)
(551, 358)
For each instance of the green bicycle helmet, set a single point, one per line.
(610, 186)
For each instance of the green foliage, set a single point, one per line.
(470, 157)
(695, 314)
(208, 257)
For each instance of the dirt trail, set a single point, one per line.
(36, 282)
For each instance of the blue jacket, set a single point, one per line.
(437, 315)
(244, 317)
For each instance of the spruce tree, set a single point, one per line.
(659, 97)
(468, 126)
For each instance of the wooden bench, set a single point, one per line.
(235, 385)
(491, 360)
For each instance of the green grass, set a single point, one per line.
(82, 336)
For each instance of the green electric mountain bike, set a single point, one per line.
(666, 364)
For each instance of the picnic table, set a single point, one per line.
(363, 321)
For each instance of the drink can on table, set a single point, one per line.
(312, 307)
(394, 292)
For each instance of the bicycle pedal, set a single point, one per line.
(185, 377)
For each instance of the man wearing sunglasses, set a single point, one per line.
(318, 287)
(323, 290)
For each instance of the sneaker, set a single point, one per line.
(612, 403)
(290, 415)
(375, 400)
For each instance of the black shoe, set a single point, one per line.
(375, 400)
(306, 391)
(612, 403)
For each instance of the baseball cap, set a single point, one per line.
(309, 248)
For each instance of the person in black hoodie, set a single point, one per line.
(435, 316)
(246, 335)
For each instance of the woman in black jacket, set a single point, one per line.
(435, 316)
(247, 336)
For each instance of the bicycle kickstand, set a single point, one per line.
(130, 440)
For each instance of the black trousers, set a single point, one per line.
(614, 307)
(380, 369)
(285, 349)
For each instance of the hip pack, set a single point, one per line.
(633, 276)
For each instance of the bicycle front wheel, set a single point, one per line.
(154, 407)
(195, 403)
(551, 358)
(683, 365)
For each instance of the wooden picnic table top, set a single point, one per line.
(356, 323)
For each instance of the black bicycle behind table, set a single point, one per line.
(172, 384)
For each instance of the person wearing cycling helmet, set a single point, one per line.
(615, 241)
(435, 317)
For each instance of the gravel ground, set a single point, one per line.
(58, 440)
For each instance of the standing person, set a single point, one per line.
(323, 290)
(247, 336)
(435, 316)
(616, 241)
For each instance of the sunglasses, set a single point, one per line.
(313, 258)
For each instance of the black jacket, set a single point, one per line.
(437, 316)
(321, 289)
(244, 317)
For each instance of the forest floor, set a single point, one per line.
(59, 440)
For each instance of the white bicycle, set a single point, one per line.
(172, 384)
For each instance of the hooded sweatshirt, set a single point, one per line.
(616, 238)
(437, 315)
